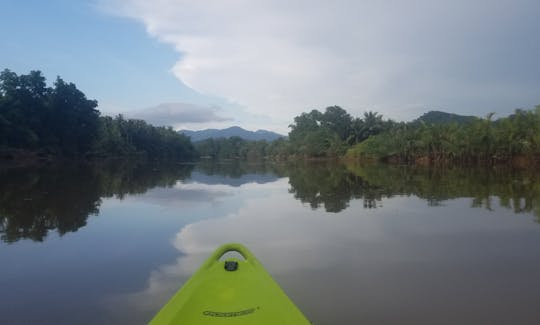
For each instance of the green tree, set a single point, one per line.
(60, 120)
(337, 120)
(74, 118)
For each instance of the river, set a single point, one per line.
(109, 243)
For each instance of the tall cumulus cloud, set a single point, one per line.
(280, 58)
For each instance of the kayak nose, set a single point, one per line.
(235, 291)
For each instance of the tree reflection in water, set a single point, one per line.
(34, 201)
(334, 185)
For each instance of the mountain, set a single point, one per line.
(233, 131)
(437, 117)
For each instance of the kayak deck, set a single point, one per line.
(234, 291)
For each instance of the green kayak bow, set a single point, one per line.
(233, 291)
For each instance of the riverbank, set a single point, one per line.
(21, 158)
(518, 161)
(24, 158)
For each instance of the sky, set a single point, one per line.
(258, 64)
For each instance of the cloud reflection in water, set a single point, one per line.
(375, 258)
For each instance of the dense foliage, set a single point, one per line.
(436, 137)
(122, 137)
(516, 137)
(313, 135)
(318, 134)
(61, 121)
(58, 119)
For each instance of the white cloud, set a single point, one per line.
(280, 58)
(175, 114)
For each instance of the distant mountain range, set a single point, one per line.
(233, 131)
(437, 117)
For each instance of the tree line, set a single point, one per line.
(436, 137)
(514, 139)
(61, 121)
(238, 148)
(332, 132)
(313, 135)
(445, 138)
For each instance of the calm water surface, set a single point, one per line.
(110, 243)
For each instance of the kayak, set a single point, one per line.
(230, 291)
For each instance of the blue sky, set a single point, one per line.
(105, 56)
(111, 59)
(258, 64)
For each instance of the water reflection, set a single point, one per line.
(333, 186)
(236, 173)
(383, 244)
(402, 263)
(36, 201)
(62, 197)
(330, 185)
